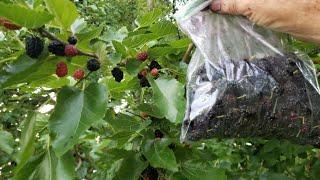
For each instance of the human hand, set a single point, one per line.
(300, 18)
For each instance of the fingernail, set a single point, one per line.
(216, 6)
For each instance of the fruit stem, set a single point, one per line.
(132, 113)
(52, 37)
(187, 54)
(81, 53)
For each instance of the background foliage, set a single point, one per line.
(52, 130)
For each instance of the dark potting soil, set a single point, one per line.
(267, 98)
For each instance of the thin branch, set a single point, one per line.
(187, 54)
(50, 36)
(81, 53)
(132, 113)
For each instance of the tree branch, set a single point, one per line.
(52, 37)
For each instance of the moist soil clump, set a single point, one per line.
(267, 98)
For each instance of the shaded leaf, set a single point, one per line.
(74, 113)
(6, 142)
(27, 141)
(130, 167)
(159, 154)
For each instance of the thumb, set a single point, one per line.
(234, 7)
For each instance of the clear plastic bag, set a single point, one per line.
(243, 83)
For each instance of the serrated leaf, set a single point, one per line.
(111, 35)
(6, 142)
(119, 48)
(164, 28)
(65, 12)
(202, 171)
(122, 137)
(159, 154)
(114, 58)
(168, 98)
(23, 16)
(139, 40)
(123, 122)
(181, 43)
(149, 18)
(85, 37)
(74, 113)
(157, 52)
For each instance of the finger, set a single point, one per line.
(234, 7)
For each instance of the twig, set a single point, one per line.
(52, 37)
(132, 113)
(187, 54)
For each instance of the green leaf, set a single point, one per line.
(273, 176)
(124, 122)
(164, 28)
(168, 98)
(47, 166)
(24, 16)
(130, 167)
(157, 52)
(27, 141)
(6, 142)
(139, 40)
(202, 171)
(181, 43)
(65, 12)
(159, 154)
(114, 58)
(134, 66)
(117, 89)
(119, 48)
(84, 38)
(26, 70)
(74, 113)
(111, 35)
(149, 18)
(122, 137)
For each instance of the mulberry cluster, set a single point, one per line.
(57, 48)
(158, 134)
(72, 40)
(93, 65)
(70, 50)
(34, 46)
(61, 69)
(117, 73)
(154, 64)
(142, 56)
(78, 74)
